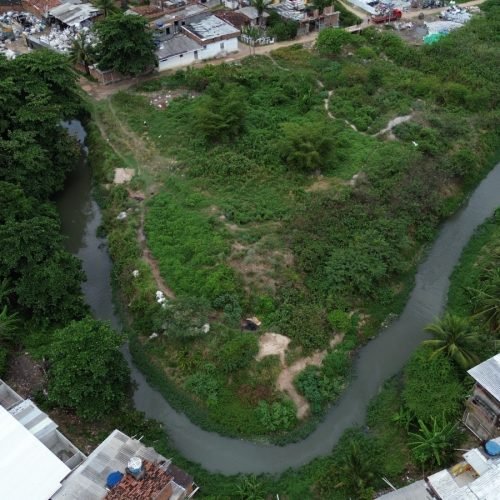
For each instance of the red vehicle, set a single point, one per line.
(393, 15)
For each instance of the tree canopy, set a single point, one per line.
(125, 44)
(87, 371)
(37, 93)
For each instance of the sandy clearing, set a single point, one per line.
(277, 344)
(123, 175)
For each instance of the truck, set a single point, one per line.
(392, 15)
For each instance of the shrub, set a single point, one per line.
(432, 387)
(330, 41)
(278, 416)
(237, 352)
(87, 371)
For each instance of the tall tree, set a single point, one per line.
(87, 371)
(107, 6)
(125, 44)
(454, 339)
(260, 5)
(81, 51)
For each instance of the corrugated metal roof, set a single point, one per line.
(28, 468)
(487, 374)
(74, 14)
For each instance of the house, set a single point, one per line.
(232, 17)
(171, 23)
(37, 462)
(252, 15)
(208, 38)
(309, 20)
(477, 477)
(482, 413)
(35, 457)
(122, 468)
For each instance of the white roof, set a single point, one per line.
(74, 14)
(487, 374)
(212, 27)
(28, 470)
(251, 12)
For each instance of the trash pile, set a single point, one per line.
(455, 14)
(62, 40)
(22, 22)
(442, 27)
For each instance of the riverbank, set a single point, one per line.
(261, 235)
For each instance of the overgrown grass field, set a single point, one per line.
(278, 199)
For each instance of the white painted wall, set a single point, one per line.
(211, 51)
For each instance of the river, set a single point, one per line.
(377, 361)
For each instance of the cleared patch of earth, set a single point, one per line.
(276, 344)
(25, 375)
(123, 175)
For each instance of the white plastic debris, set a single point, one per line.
(135, 273)
(153, 336)
(205, 328)
(121, 216)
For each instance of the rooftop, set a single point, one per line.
(251, 12)
(74, 14)
(487, 374)
(155, 480)
(290, 9)
(28, 468)
(186, 13)
(179, 44)
(112, 455)
(211, 27)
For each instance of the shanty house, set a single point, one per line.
(74, 14)
(309, 20)
(482, 414)
(252, 16)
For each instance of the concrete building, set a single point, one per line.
(309, 20)
(37, 462)
(209, 38)
(122, 467)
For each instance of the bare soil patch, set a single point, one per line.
(25, 375)
(123, 175)
(271, 344)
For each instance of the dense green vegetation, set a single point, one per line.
(40, 281)
(258, 213)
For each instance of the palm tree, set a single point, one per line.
(107, 6)
(432, 443)
(81, 51)
(486, 300)
(249, 488)
(260, 5)
(357, 472)
(454, 339)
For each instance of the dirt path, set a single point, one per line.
(276, 344)
(393, 123)
(326, 104)
(147, 159)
